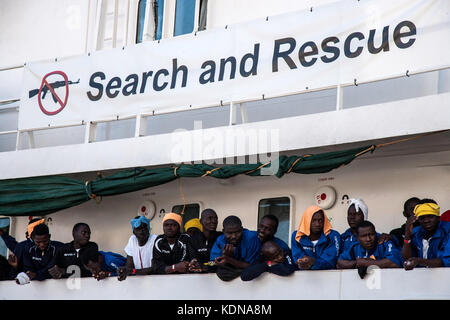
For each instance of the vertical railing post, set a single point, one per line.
(339, 97)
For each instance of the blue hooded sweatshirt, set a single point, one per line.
(112, 261)
(325, 252)
(247, 250)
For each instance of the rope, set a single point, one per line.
(261, 166)
(87, 186)
(372, 147)
(295, 162)
(209, 172)
(407, 139)
(182, 196)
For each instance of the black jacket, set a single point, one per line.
(39, 262)
(66, 256)
(202, 246)
(164, 256)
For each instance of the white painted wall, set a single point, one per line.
(35, 30)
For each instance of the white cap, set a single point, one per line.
(360, 205)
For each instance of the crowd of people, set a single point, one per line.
(423, 241)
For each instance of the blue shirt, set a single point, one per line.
(325, 252)
(385, 250)
(112, 261)
(247, 250)
(439, 246)
(347, 240)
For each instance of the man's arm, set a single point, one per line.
(230, 260)
(346, 264)
(127, 269)
(10, 242)
(382, 263)
(253, 271)
(407, 251)
(216, 250)
(284, 268)
(56, 271)
(413, 262)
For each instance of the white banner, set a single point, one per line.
(285, 54)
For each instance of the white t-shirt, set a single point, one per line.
(142, 256)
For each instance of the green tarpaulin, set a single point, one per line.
(45, 195)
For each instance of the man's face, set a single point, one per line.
(367, 237)
(266, 229)
(317, 223)
(42, 241)
(274, 254)
(410, 208)
(209, 221)
(429, 222)
(354, 217)
(171, 228)
(233, 234)
(82, 235)
(142, 233)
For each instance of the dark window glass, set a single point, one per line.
(159, 12)
(280, 208)
(191, 211)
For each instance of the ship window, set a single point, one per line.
(280, 208)
(159, 18)
(191, 211)
(156, 15)
(4, 226)
(184, 17)
(202, 15)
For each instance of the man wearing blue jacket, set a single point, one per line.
(102, 264)
(235, 250)
(368, 251)
(315, 246)
(273, 259)
(267, 228)
(427, 245)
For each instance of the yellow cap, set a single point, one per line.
(426, 209)
(193, 223)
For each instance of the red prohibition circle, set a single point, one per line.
(52, 91)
